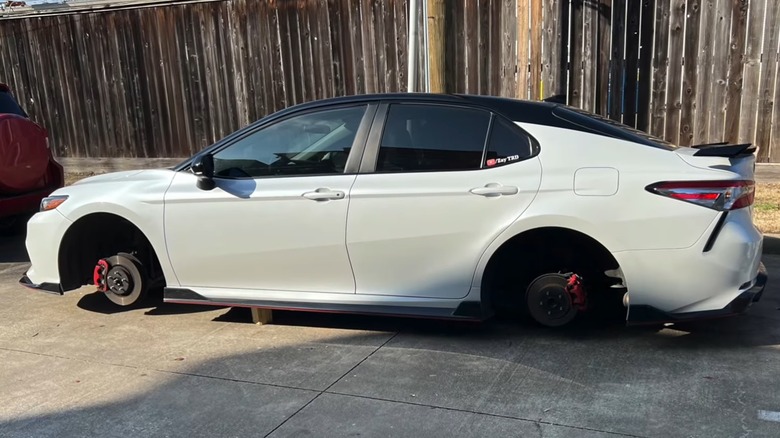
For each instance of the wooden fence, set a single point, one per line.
(168, 80)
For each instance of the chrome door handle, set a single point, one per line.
(324, 195)
(494, 189)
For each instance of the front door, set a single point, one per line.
(276, 219)
(443, 183)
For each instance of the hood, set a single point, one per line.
(127, 176)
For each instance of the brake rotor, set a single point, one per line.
(549, 302)
(124, 282)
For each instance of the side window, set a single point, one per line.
(310, 144)
(432, 138)
(507, 144)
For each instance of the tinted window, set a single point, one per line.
(9, 106)
(315, 143)
(507, 145)
(612, 127)
(431, 138)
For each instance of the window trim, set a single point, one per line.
(373, 144)
(355, 153)
(535, 149)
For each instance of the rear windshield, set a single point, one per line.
(8, 105)
(611, 127)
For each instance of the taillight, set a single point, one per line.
(718, 195)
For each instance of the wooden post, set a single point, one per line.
(523, 10)
(436, 45)
(262, 316)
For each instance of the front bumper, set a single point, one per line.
(644, 314)
(53, 288)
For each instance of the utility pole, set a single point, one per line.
(411, 50)
(436, 45)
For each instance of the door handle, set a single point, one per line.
(495, 189)
(324, 195)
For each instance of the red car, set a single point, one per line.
(28, 171)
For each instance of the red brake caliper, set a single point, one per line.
(577, 292)
(99, 275)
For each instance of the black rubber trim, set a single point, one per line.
(715, 232)
(186, 296)
(644, 314)
(53, 288)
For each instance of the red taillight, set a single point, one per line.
(718, 195)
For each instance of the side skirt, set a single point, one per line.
(466, 310)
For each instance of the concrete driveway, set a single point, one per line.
(75, 366)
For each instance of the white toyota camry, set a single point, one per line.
(449, 206)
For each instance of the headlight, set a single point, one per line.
(52, 202)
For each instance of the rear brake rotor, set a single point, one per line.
(549, 302)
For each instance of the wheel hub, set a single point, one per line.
(549, 301)
(119, 280)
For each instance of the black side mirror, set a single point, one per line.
(203, 167)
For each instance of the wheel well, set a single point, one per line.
(101, 235)
(543, 250)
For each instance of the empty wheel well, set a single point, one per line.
(532, 253)
(97, 236)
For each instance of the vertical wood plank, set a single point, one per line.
(508, 41)
(720, 69)
(690, 78)
(523, 39)
(577, 54)
(604, 49)
(647, 35)
(704, 98)
(590, 41)
(555, 49)
(631, 77)
(766, 90)
(674, 74)
(738, 36)
(751, 70)
(617, 64)
(536, 49)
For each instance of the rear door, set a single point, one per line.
(438, 183)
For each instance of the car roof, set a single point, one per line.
(496, 103)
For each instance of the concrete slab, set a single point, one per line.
(72, 366)
(46, 396)
(339, 416)
(703, 379)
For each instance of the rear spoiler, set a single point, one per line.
(724, 150)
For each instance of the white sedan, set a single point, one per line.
(449, 206)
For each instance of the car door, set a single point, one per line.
(438, 183)
(277, 216)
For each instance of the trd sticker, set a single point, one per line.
(494, 161)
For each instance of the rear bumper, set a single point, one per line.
(645, 314)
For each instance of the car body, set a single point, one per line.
(449, 206)
(28, 170)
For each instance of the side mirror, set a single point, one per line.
(203, 167)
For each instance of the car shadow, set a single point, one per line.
(12, 249)
(97, 303)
